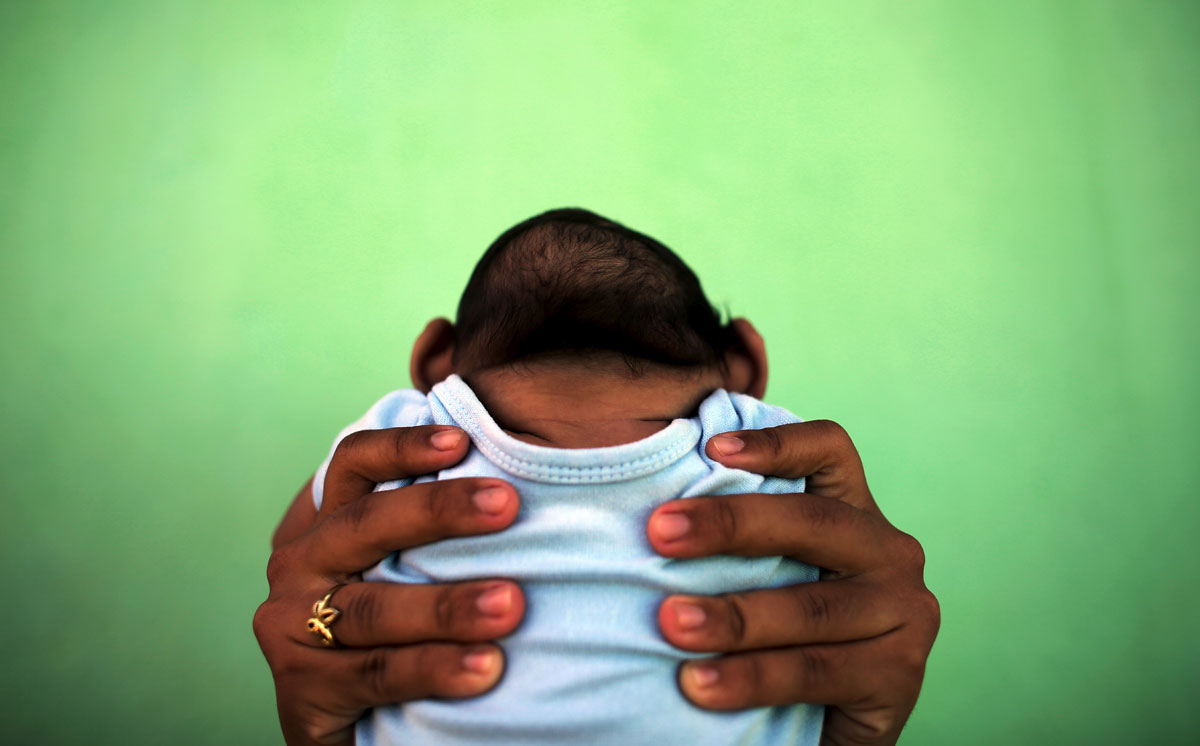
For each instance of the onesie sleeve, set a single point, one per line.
(403, 408)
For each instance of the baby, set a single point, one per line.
(589, 370)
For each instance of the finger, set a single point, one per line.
(814, 674)
(358, 679)
(370, 528)
(411, 672)
(804, 614)
(381, 614)
(819, 450)
(366, 458)
(816, 530)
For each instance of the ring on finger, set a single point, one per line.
(323, 618)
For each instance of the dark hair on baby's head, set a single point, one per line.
(571, 281)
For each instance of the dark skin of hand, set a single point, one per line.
(857, 641)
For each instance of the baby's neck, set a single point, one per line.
(563, 404)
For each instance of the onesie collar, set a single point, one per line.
(564, 465)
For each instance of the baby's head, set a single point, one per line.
(569, 287)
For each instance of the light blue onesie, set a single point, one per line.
(587, 664)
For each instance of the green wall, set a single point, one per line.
(968, 231)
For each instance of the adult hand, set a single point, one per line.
(856, 642)
(397, 642)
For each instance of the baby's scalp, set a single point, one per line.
(569, 282)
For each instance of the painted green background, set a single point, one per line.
(968, 232)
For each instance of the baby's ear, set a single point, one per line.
(432, 355)
(746, 362)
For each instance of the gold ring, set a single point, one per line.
(323, 618)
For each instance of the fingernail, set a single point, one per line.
(492, 500)
(727, 445)
(446, 440)
(702, 675)
(689, 616)
(671, 526)
(480, 660)
(495, 601)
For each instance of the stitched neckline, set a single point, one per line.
(564, 465)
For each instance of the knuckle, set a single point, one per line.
(812, 512)
(771, 441)
(402, 442)
(814, 665)
(277, 565)
(437, 505)
(262, 623)
(352, 442)
(933, 611)
(814, 608)
(363, 611)
(443, 610)
(735, 618)
(725, 520)
(911, 551)
(315, 730)
(356, 512)
(840, 444)
(871, 726)
(373, 673)
(834, 432)
(912, 661)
